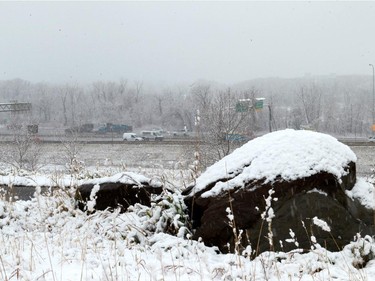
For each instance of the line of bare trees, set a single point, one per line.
(341, 106)
(337, 105)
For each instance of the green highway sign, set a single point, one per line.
(258, 104)
(242, 107)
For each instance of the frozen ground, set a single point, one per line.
(161, 156)
(120, 155)
(365, 159)
(157, 155)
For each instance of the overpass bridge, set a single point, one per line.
(15, 107)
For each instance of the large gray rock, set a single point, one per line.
(310, 181)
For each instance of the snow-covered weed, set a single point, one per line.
(363, 250)
(322, 224)
(237, 234)
(92, 202)
(268, 215)
(167, 214)
(292, 239)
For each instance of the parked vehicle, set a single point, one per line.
(131, 137)
(236, 137)
(159, 130)
(152, 135)
(113, 128)
(14, 127)
(84, 128)
(32, 129)
(180, 133)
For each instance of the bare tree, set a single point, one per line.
(138, 90)
(63, 93)
(311, 99)
(71, 149)
(219, 122)
(15, 89)
(74, 105)
(24, 151)
(44, 102)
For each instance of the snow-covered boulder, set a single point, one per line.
(271, 188)
(120, 190)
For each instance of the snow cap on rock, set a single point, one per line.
(123, 177)
(289, 154)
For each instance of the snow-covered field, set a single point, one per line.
(46, 238)
(155, 156)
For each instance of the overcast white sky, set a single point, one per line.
(184, 41)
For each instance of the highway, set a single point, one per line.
(117, 139)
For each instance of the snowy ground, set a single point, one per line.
(155, 156)
(48, 239)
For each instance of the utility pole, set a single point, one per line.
(270, 118)
(373, 98)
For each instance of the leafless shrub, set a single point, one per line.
(71, 148)
(23, 151)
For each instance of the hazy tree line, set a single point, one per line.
(340, 105)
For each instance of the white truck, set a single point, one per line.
(152, 135)
(131, 137)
